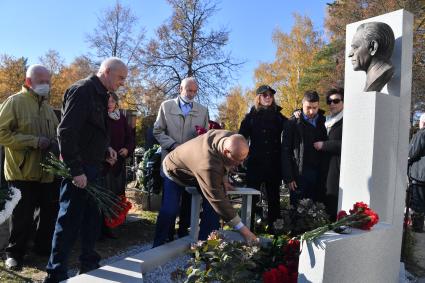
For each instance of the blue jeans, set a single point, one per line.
(78, 215)
(170, 208)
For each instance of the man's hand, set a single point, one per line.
(123, 152)
(318, 145)
(112, 153)
(297, 114)
(292, 185)
(43, 143)
(80, 181)
(248, 235)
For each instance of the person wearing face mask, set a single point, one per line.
(84, 145)
(28, 132)
(263, 127)
(303, 167)
(332, 148)
(175, 125)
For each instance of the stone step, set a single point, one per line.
(130, 269)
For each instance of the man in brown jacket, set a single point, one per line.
(203, 162)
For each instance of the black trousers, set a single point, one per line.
(272, 197)
(33, 195)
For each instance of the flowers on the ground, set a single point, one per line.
(361, 216)
(306, 216)
(122, 211)
(9, 198)
(107, 202)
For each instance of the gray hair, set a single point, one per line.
(111, 63)
(187, 80)
(382, 34)
(33, 69)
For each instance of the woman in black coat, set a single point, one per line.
(333, 124)
(262, 126)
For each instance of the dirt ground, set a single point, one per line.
(136, 232)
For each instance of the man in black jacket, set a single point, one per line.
(303, 167)
(417, 175)
(83, 141)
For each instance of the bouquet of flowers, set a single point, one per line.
(305, 216)
(361, 216)
(111, 205)
(9, 198)
(122, 211)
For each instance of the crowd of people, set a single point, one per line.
(93, 139)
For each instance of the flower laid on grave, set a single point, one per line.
(360, 216)
(220, 260)
(108, 203)
(305, 216)
(9, 198)
(121, 210)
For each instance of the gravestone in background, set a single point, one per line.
(373, 169)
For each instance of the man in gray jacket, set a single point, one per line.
(175, 125)
(417, 175)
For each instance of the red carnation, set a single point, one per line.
(341, 215)
(200, 130)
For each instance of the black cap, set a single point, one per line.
(265, 88)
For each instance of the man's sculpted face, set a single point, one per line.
(359, 54)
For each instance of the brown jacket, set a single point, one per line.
(199, 161)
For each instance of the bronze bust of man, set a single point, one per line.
(371, 50)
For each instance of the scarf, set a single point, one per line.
(114, 115)
(332, 120)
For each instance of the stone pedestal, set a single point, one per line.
(373, 170)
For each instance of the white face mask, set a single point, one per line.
(186, 99)
(42, 89)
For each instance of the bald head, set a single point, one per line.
(112, 73)
(235, 149)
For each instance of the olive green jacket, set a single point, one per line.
(24, 117)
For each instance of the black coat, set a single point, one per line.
(296, 141)
(417, 157)
(83, 134)
(333, 149)
(263, 129)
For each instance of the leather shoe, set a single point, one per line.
(13, 264)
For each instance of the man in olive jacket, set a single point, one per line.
(27, 132)
(83, 141)
(417, 176)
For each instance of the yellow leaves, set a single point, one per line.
(294, 55)
(233, 110)
(12, 75)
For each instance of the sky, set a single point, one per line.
(30, 28)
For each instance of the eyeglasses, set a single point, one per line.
(266, 94)
(334, 101)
